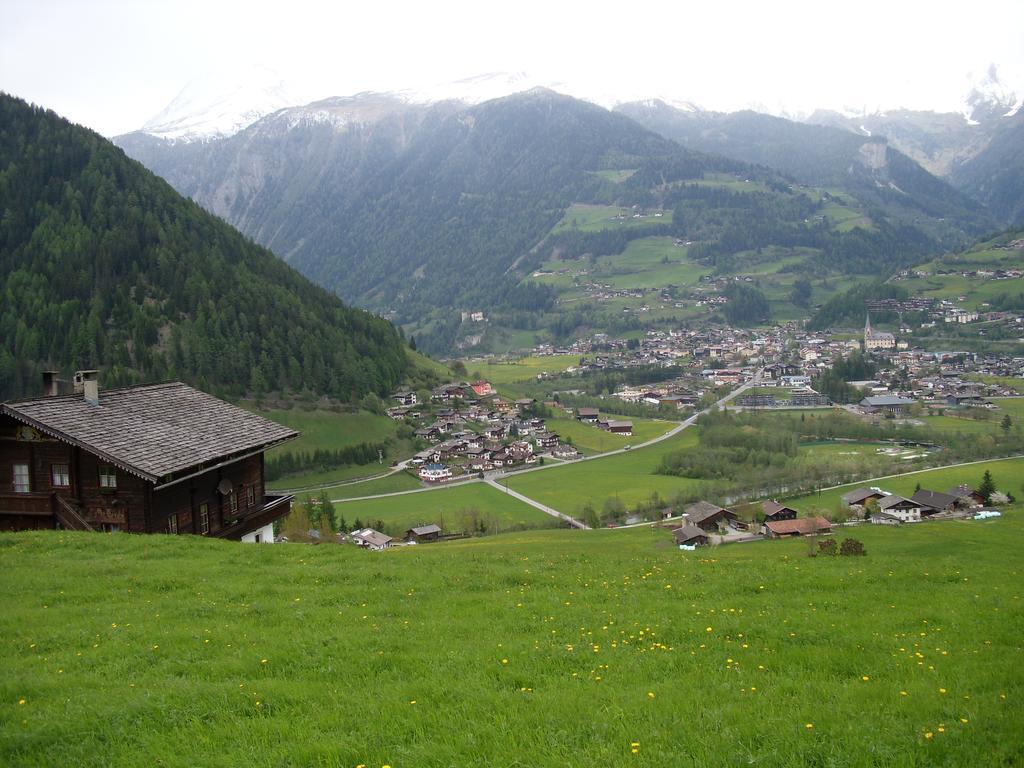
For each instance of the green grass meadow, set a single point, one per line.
(627, 476)
(548, 648)
(447, 506)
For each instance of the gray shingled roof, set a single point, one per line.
(423, 530)
(688, 532)
(702, 510)
(153, 431)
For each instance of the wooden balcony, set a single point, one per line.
(273, 507)
(40, 504)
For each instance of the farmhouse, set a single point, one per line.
(587, 414)
(861, 496)
(405, 397)
(935, 501)
(690, 535)
(708, 516)
(804, 526)
(773, 511)
(905, 510)
(371, 539)
(424, 533)
(546, 440)
(161, 458)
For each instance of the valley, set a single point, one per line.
(586, 431)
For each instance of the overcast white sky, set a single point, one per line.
(113, 64)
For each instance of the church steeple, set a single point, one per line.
(867, 331)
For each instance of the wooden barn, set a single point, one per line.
(708, 516)
(803, 526)
(773, 512)
(161, 458)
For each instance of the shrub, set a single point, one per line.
(852, 547)
(829, 546)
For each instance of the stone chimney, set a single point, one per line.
(51, 386)
(87, 384)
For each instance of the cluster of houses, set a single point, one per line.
(891, 509)
(703, 519)
(471, 429)
(368, 538)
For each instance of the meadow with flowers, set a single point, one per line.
(545, 648)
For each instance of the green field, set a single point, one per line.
(330, 429)
(1007, 473)
(326, 429)
(593, 218)
(524, 369)
(551, 648)
(618, 175)
(447, 507)
(589, 439)
(627, 476)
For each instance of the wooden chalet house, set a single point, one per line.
(161, 458)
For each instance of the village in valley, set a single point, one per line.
(471, 432)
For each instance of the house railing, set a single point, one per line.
(68, 515)
(36, 504)
(273, 506)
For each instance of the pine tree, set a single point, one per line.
(987, 487)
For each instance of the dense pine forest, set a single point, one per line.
(105, 266)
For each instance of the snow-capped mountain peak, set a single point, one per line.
(989, 97)
(213, 108)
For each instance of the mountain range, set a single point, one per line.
(423, 209)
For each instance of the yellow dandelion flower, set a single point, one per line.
(903, 693)
(963, 720)
(22, 701)
(929, 735)
(504, 661)
(413, 701)
(940, 729)
(808, 726)
(650, 694)
(263, 661)
(942, 690)
(708, 629)
(865, 678)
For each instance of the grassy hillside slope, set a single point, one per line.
(554, 648)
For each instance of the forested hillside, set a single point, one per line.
(824, 156)
(996, 175)
(103, 265)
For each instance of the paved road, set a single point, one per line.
(543, 508)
